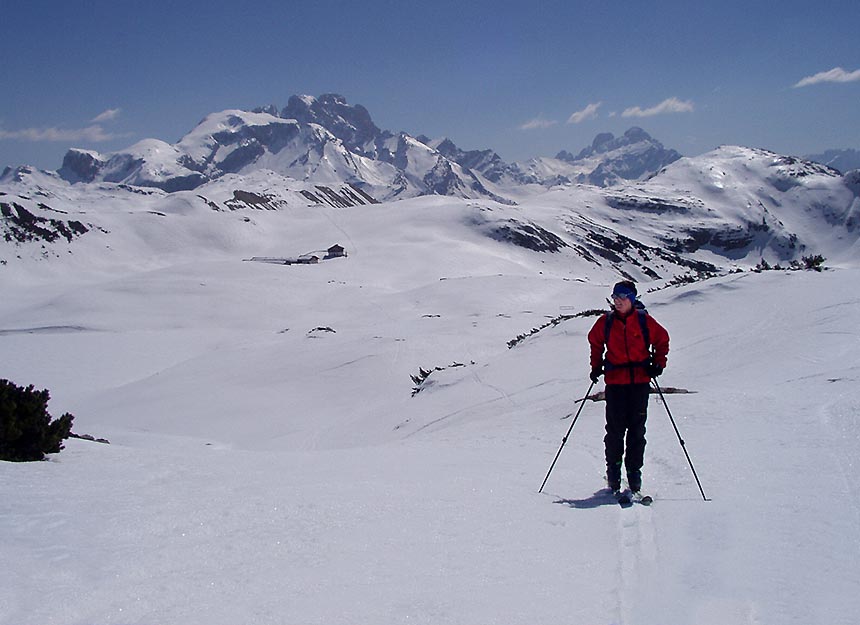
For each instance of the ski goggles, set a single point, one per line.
(623, 295)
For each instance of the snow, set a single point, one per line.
(545, 168)
(199, 142)
(263, 471)
(152, 159)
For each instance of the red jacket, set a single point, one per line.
(626, 346)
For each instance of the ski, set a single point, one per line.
(626, 498)
(623, 498)
(645, 500)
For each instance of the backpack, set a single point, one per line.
(642, 314)
(643, 323)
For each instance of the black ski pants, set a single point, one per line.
(626, 412)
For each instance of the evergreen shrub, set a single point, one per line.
(27, 431)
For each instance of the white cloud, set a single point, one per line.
(588, 112)
(837, 74)
(672, 105)
(538, 123)
(94, 134)
(107, 116)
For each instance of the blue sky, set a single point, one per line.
(524, 78)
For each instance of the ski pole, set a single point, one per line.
(564, 440)
(683, 445)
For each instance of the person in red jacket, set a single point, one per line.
(629, 348)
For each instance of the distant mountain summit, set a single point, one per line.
(231, 141)
(486, 162)
(843, 160)
(609, 159)
(351, 124)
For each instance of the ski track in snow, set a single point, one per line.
(841, 416)
(637, 550)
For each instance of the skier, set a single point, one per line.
(635, 348)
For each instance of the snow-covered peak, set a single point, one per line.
(738, 165)
(28, 180)
(607, 161)
(351, 124)
(230, 120)
(308, 100)
(232, 127)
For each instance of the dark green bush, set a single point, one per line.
(26, 429)
(814, 263)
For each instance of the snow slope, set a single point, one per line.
(269, 462)
(729, 209)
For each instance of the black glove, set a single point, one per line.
(596, 373)
(653, 370)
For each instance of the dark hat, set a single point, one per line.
(625, 288)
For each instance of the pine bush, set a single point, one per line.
(27, 431)
(814, 263)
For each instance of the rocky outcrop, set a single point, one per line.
(81, 165)
(20, 225)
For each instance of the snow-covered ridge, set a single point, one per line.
(728, 209)
(732, 207)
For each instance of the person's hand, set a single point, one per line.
(596, 372)
(653, 370)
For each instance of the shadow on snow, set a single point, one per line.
(603, 497)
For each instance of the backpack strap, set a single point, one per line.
(643, 323)
(610, 317)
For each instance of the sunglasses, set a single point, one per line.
(619, 296)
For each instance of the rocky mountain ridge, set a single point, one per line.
(321, 140)
(328, 141)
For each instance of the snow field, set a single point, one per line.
(264, 470)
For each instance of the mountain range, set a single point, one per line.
(328, 141)
(624, 204)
